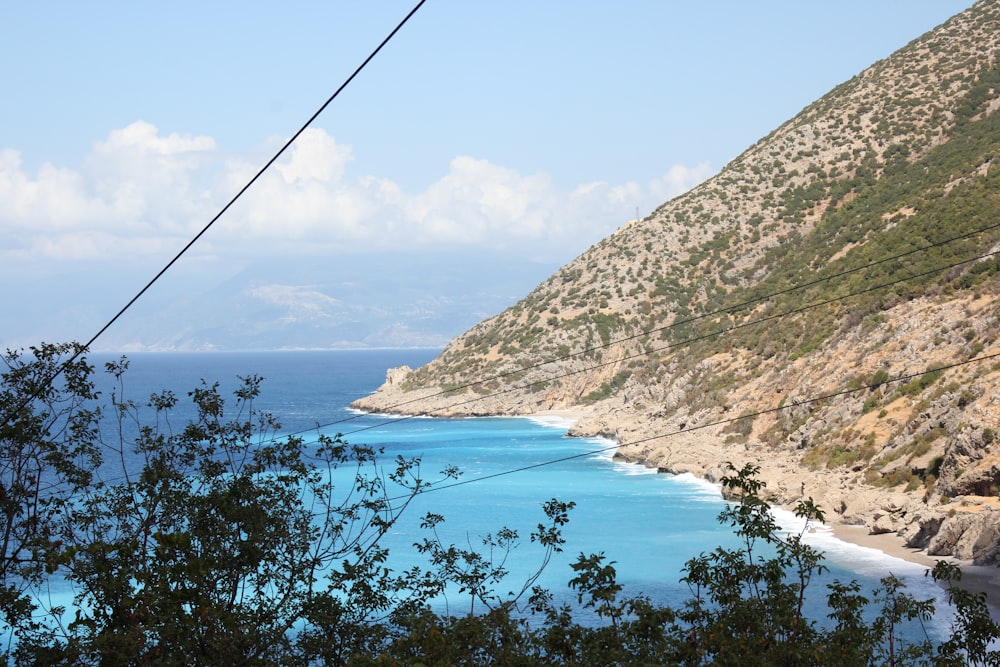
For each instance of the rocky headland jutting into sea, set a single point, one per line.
(825, 307)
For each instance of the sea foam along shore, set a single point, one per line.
(855, 548)
(975, 578)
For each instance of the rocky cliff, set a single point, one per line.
(825, 307)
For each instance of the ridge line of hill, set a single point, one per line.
(895, 160)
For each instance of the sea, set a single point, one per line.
(647, 524)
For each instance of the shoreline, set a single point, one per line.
(975, 578)
(888, 543)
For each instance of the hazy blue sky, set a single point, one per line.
(511, 132)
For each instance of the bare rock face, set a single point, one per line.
(968, 536)
(882, 523)
(920, 531)
(395, 376)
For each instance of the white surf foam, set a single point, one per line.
(552, 421)
(870, 562)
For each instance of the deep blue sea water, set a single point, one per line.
(649, 524)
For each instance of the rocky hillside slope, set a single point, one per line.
(825, 307)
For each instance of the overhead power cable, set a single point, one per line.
(689, 429)
(709, 335)
(706, 336)
(247, 186)
(727, 310)
(721, 422)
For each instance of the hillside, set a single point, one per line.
(808, 288)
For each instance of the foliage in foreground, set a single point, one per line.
(218, 543)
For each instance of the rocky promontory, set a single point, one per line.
(826, 307)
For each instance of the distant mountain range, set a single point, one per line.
(326, 303)
(826, 307)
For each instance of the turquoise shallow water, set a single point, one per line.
(649, 524)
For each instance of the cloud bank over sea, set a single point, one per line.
(142, 191)
(81, 240)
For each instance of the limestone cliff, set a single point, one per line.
(826, 307)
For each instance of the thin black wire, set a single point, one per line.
(731, 310)
(688, 341)
(727, 310)
(259, 173)
(688, 429)
(721, 422)
(685, 342)
(224, 209)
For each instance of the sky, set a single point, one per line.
(484, 147)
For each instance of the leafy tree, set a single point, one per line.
(974, 631)
(47, 454)
(221, 543)
(222, 539)
(747, 606)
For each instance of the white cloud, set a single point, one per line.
(300, 303)
(315, 156)
(478, 202)
(142, 192)
(54, 200)
(142, 137)
(87, 244)
(678, 180)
